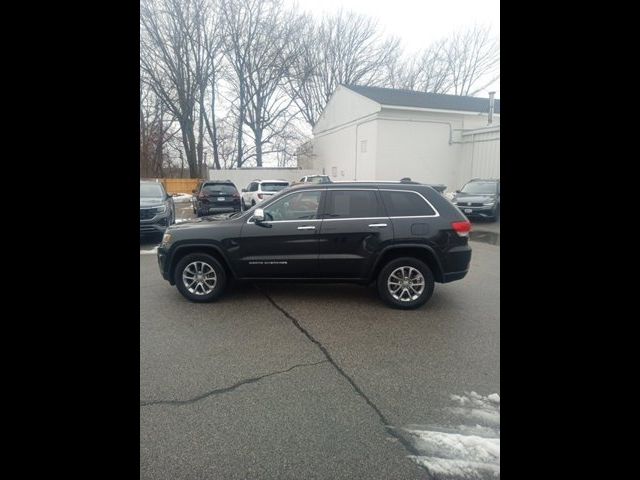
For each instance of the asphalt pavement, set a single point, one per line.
(322, 381)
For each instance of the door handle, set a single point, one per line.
(378, 225)
(309, 227)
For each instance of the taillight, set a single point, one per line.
(462, 228)
(236, 195)
(260, 196)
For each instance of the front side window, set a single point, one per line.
(405, 204)
(298, 206)
(352, 204)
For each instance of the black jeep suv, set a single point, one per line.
(405, 237)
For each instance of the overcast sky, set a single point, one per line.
(418, 22)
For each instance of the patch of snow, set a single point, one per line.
(445, 468)
(467, 452)
(471, 448)
(182, 197)
(153, 251)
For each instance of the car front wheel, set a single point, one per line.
(200, 277)
(405, 283)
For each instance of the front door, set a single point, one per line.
(285, 244)
(354, 227)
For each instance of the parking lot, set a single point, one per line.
(291, 381)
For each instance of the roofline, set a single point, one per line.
(437, 110)
(474, 131)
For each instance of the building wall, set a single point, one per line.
(417, 145)
(357, 139)
(480, 157)
(344, 107)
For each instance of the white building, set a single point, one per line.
(371, 133)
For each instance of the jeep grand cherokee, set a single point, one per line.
(404, 237)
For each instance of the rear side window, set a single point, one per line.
(273, 187)
(352, 204)
(405, 204)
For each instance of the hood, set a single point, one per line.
(473, 198)
(151, 201)
(221, 218)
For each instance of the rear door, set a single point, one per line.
(354, 227)
(285, 245)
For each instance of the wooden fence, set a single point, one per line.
(178, 185)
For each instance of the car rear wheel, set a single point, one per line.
(253, 203)
(200, 277)
(405, 283)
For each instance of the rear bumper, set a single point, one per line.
(211, 210)
(456, 265)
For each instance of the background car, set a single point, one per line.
(479, 198)
(157, 210)
(259, 190)
(216, 196)
(315, 179)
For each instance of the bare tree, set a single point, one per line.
(473, 59)
(261, 37)
(346, 48)
(173, 58)
(155, 132)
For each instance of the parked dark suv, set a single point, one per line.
(157, 210)
(404, 237)
(479, 198)
(216, 196)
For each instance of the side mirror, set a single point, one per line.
(244, 190)
(457, 191)
(258, 215)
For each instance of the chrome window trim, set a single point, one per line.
(436, 214)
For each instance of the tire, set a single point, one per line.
(413, 268)
(243, 205)
(205, 292)
(253, 203)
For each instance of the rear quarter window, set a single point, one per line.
(406, 204)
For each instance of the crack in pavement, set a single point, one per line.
(385, 423)
(219, 391)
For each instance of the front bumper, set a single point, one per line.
(157, 224)
(162, 262)
(484, 211)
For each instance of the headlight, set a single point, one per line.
(166, 238)
(489, 203)
(161, 209)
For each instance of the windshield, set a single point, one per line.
(480, 188)
(273, 187)
(219, 188)
(150, 190)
